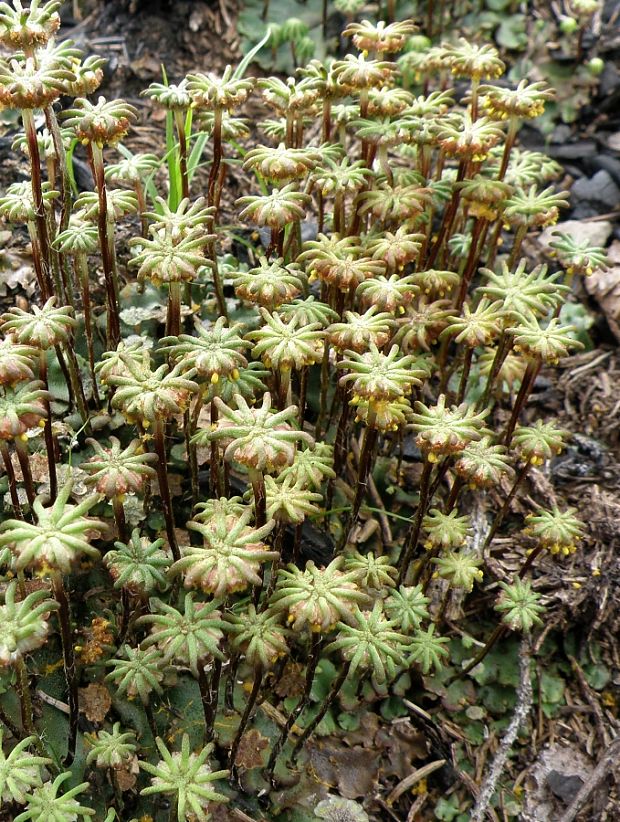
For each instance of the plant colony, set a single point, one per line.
(402, 316)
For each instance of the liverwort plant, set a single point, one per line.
(59, 536)
(303, 489)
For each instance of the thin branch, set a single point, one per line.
(522, 709)
(607, 764)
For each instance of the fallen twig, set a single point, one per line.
(409, 781)
(606, 765)
(522, 709)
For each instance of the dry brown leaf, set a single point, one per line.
(251, 748)
(95, 701)
(353, 771)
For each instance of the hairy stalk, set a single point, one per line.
(229, 689)
(25, 700)
(313, 661)
(22, 455)
(159, 436)
(66, 635)
(478, 236)
(497, 634)
(30, 130)
(303, 394)
(327, 703)
(504, 344)
(217, 280)
(448, 217)
(119, 516)
(192, 457)
(324, 390)
(173, 318)
(365, 461)
(150, 718)
(8, 467)
(508, 144)
(257, 481)
(75, 379)
(249, 707)
(517, 242)
(529, 378)
(209, 689)
(81, 266)
(65, 194)
(499, 518)
(107, 248)
(217, 155)
(179, 122)
(49, 435)
(469, 353)
(6, 720)
(411, 540)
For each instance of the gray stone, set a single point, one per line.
(597, 189)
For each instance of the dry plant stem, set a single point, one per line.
(49, 436)
(107, 250)
(8, 466)
(411, 540)
(159, 436)
(22, 455)
(215, 478)
(249, 706)
(37, 196)
(505, 507)
(529, 378)
(327, 703)
(64, 618)
(81, 266)
(313, 661)
(179, 122)
(522, 709)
